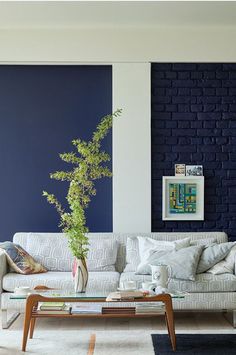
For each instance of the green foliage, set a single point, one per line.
(88, 165)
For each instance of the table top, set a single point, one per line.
(81, 296)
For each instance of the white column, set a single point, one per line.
(132, 148)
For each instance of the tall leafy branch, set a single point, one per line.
(88, 164)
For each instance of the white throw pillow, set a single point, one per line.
(132, 250)
(148, 246)
(225, 266)
(183, 262)
(204, 242)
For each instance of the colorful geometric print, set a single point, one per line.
(182, 198)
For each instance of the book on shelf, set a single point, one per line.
(149, 307)
(64, 310)
(124, 296)
(86, 308)
(53, 306)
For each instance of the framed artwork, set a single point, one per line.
(182, 198)
(194, 170)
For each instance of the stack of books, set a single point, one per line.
(86, 308)
(149, 307)
(53, 308)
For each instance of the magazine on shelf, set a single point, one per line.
(81, 308)
(64, 310)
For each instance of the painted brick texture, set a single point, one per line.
(194, 122)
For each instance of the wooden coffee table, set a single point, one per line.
(32, 300)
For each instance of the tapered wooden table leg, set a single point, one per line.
(167, 325)
(170, 320)
(32, 324)
(28, 314)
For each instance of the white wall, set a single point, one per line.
(119, 45)
(131, 85)
(131, 148)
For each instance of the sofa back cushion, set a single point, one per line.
(26, 240)
(133, 258)
(51, 250)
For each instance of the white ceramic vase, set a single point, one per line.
(80, 275)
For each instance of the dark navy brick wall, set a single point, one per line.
(194, 122)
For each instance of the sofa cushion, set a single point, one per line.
(139, 248)
(132, 255)
(227, 265)
(19, 260)
(204, 242)
(147, 246)
(53, 252)
(183, 262)
(132, 245)
(102, 254)
(203, 283)
(101, 281)
(212, 255)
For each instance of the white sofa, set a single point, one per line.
(208, 292)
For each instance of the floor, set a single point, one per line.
(184, 322)
(113, 336)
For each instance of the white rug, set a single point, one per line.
(113, 337)
(77, 343)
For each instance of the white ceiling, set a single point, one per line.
(63, 14)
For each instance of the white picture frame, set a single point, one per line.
(198, 214)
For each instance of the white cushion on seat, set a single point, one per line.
(99, 281)
(203, 283)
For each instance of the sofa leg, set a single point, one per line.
(6, 323)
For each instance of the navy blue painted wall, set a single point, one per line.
(194, 122)
(42, 108)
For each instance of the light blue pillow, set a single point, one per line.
(183, 262)
(212, 255)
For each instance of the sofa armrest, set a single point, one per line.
(3, 267)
